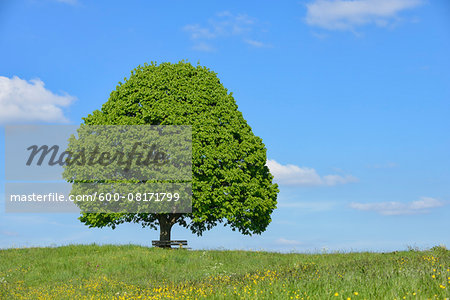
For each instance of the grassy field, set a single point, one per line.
(134, 272)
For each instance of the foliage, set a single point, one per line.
(230, 182)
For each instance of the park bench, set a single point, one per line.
(169, 244)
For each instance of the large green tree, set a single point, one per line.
(230, 182)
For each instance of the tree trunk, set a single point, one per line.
(166, 221)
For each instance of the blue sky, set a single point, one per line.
(351, 99)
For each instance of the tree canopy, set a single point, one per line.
(231, 183)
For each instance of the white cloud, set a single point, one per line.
(223, 25)
(338, 179)
(303, 176)
(202, 46)
(8, 233)
(308, 206)
(387, 165)
(346, 15)
(400, 208)
(71, 2)
(256, 44)
(286, 242)
(26, 101)
(198, 32)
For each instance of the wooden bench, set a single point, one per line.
(169, 244)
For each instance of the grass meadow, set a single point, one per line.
(136, 272)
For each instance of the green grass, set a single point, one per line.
(134, 272)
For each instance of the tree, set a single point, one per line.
(230, 182)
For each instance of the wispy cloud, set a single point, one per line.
(303, 176)
(400, 208)
(387, 165)
(35, 220)
(286, 242)
(308, 206)
(223, 25)
(202, 46)
(347, 15)
(71, 2)
(9, 233)
(25, 101)
(257, 44)
(198, 32)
